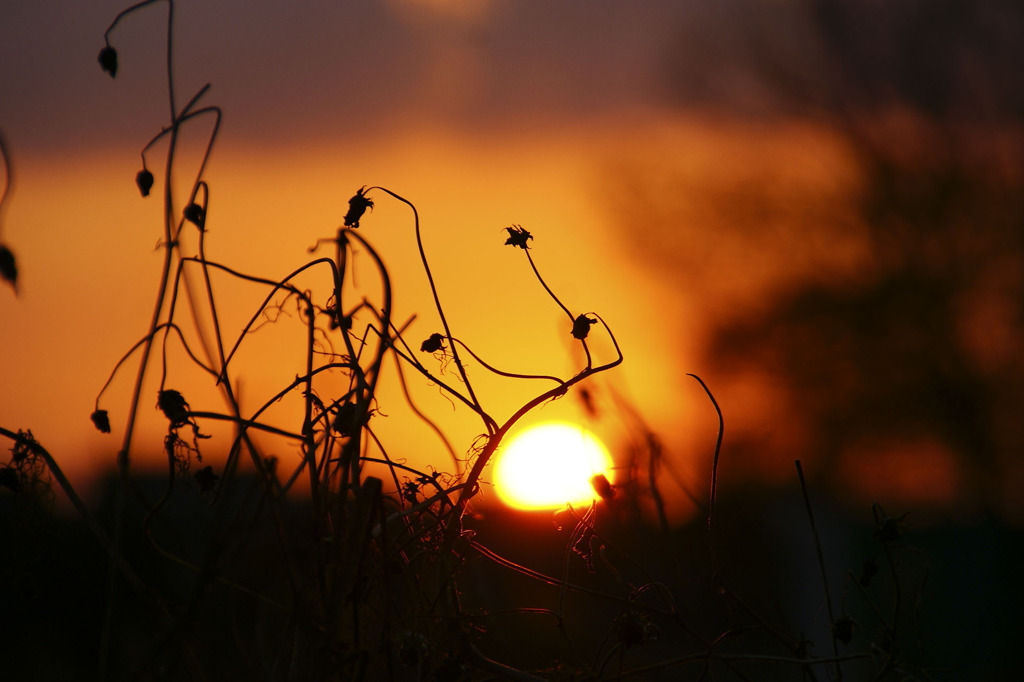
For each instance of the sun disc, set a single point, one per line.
(550, 465)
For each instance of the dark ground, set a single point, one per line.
(960, 592)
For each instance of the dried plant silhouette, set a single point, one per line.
(311, 567)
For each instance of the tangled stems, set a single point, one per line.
(333, 475)
(108, 60)
(494, 440)
(488, 423)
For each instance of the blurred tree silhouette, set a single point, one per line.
(911, 351)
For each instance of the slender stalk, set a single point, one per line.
(572, 318)
(713, 496)
(821, 567)
(440, 309)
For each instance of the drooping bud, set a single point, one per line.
(101, 420)
(144, 181)
(108, 60)
(195, 214)
(8, 267)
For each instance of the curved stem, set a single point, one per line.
(423, 417)
(437, 303)
(714, 473)
(546, 287)
(572, 318)
(510, 375)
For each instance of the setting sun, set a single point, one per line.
(549, 465)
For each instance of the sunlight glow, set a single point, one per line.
(550, 465)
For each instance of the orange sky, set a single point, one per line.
(305, 127)
(484, 114)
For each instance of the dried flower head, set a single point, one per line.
(27, 472)
(518, 236)
(581, 326)
(433, 344)
(174, 406)
(348, 421)
(357, 206)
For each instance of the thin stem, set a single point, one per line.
(509, 375)
(714, 474)
(544, 284)
(821, 566)
(572, 318)
(410, 358)
(423, 417)
(438, 306)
